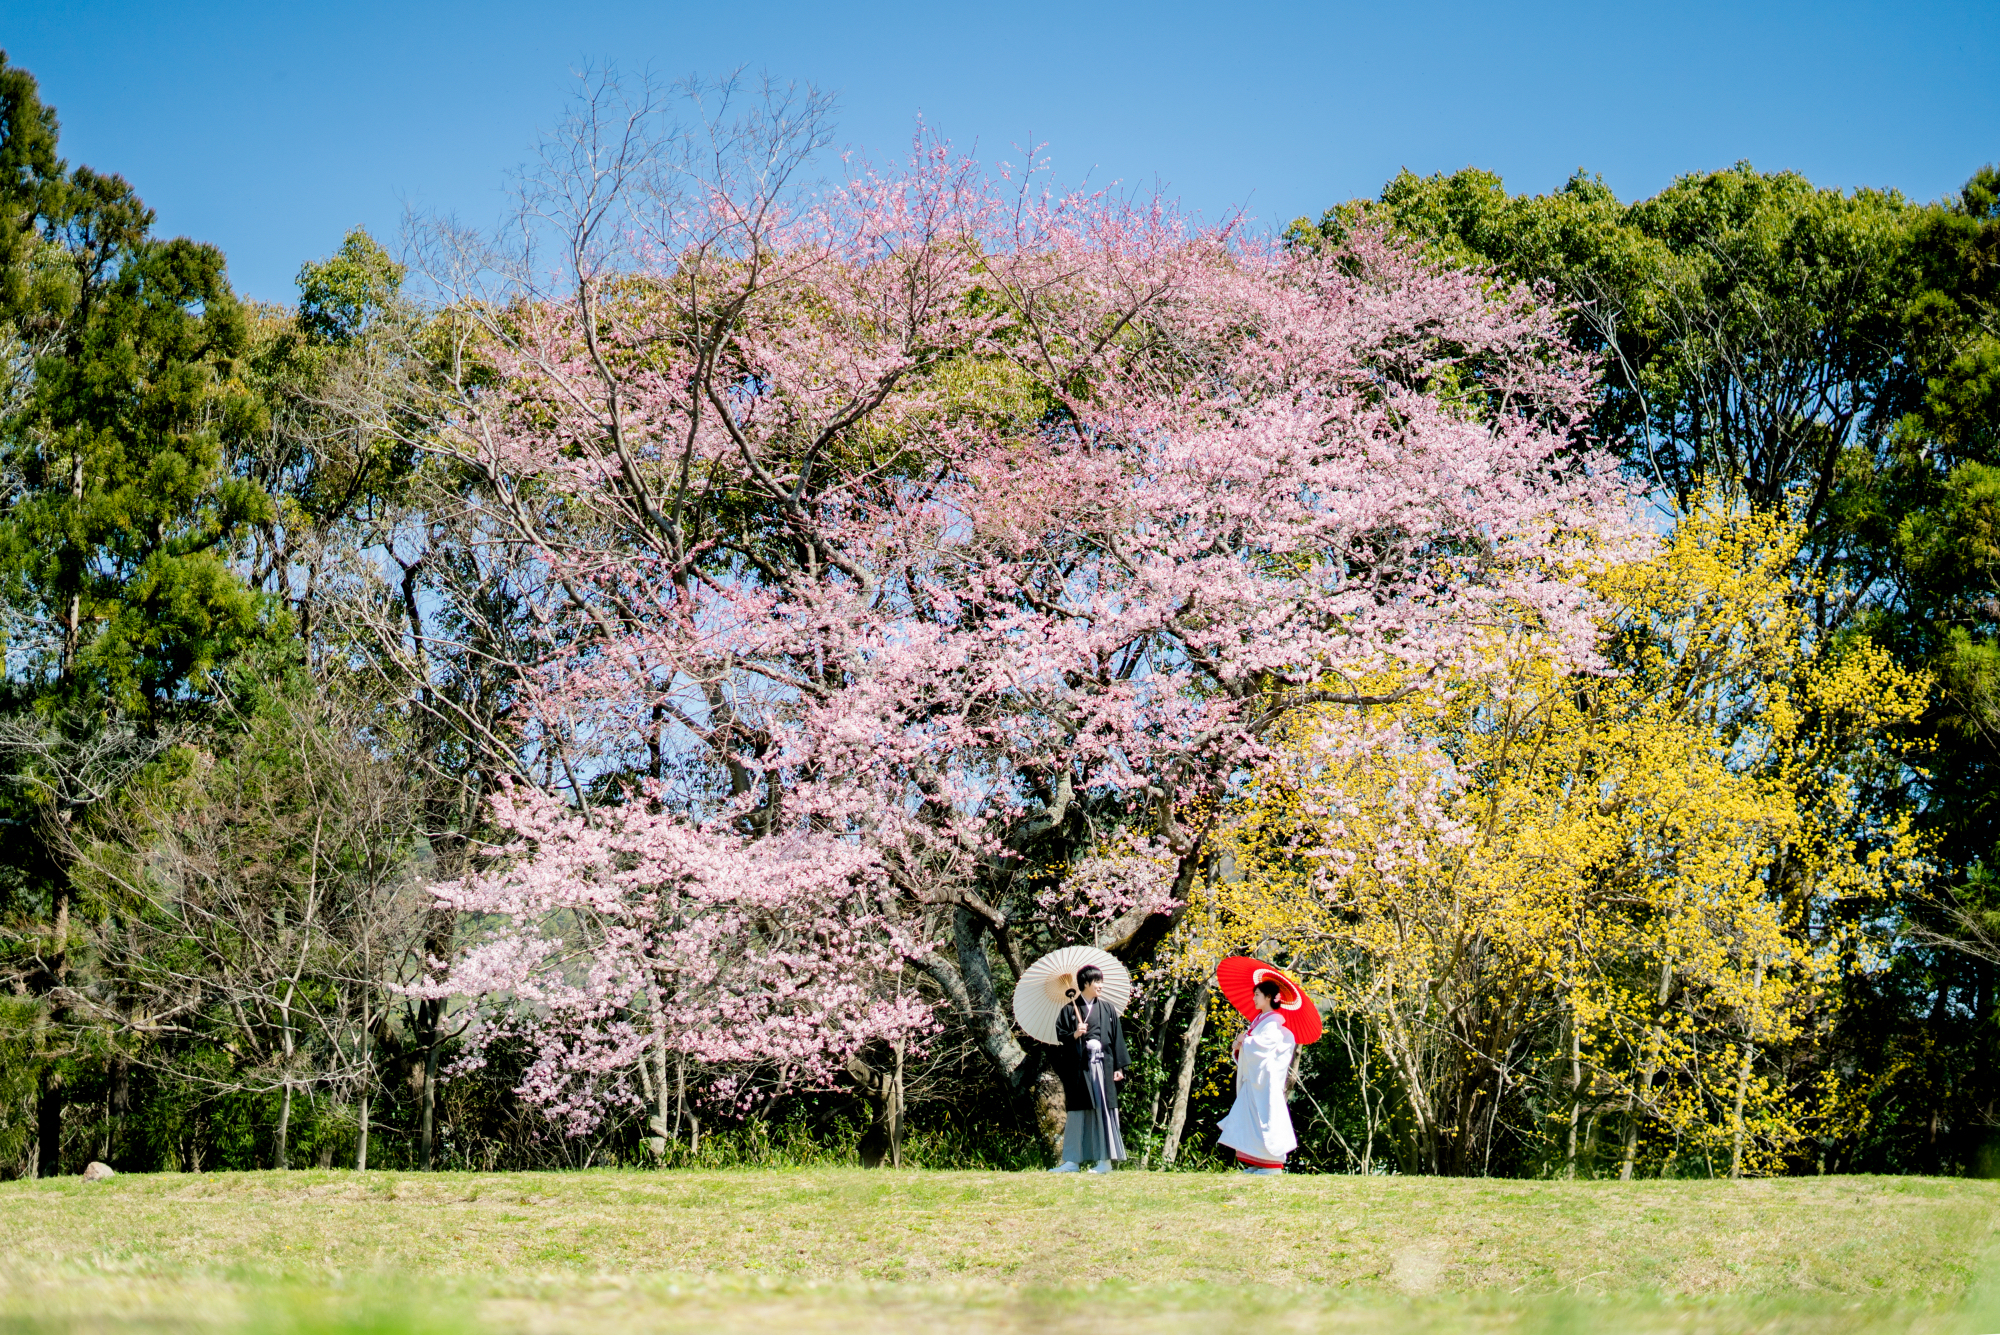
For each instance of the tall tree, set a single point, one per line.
(1749, 323)
(122, 511)
(911, 520)
(1930, 521)
(1832, 355)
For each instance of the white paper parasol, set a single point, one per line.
(1050, 982)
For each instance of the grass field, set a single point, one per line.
(803, 1251)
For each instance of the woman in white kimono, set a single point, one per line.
(1259, 1126)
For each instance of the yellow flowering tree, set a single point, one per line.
(1593, 919)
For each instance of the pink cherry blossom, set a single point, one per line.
(881, 527)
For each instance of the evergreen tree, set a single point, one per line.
(1832, 355)
(125, 410)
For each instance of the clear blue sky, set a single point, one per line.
(270, 128)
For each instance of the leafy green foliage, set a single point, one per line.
(1835, 355)
(114, 552)
(1749, 322)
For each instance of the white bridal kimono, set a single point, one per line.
(1259, 1125)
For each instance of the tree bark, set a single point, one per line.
(1736, 1114)
(430, 1013)
(48, 1123)
(883, 1142)
(1575, 1094)
(278, 1139)
(970, 987)
(1160, 1052)
(430, 1107)
(361, 1140)
(1743, 1087)
(1190, 1054)
(896, 1112)
(1649, 1064)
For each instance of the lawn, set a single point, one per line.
(810, 1250)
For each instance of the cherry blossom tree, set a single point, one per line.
(637, 945)
(912, 535)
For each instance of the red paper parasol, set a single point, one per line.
(1238, 977)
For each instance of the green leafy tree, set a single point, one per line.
(1835, 355)
(124, 512)
(1750, 323)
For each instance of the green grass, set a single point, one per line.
(837, 1249)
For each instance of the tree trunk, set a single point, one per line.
(1649, 1065)
(1736, 1114)
(1743, 1086)
(440, 927)
(279, 1157)
(1371, 1110)
(367, 1081)
(48, 1123)
(990, 1020)
(1051, 1109)
(1631, 1150)
(883, 1141)
(1190, 1054)
(121, 1104)
(1575, 1095)
(50, 1093)
(430, 1015)
(430, 1108)
(1160, 1053)
(896, 1112)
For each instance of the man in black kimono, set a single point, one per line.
(1091, 1059)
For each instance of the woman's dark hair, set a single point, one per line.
(1087, 975)
(1268, 987)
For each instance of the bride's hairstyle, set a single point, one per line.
(1268, 987)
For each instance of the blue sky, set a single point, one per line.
(271, 128)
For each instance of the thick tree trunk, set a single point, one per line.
(48, 1123)
(968, 984)
(430, 1018)
(1190, 1054)
(990, 1019)
(430, 1108)
(883, 1141)
(1051, 1109)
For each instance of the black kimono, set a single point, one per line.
(1088, 1066)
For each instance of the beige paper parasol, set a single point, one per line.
(1049, 983)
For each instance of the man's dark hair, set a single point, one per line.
(1087, 975)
